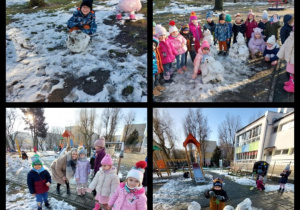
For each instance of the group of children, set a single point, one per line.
(111, 194)
(261, 38)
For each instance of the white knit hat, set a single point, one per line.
(138, 171)
(172, 26)
(271, 40)
(159, 30)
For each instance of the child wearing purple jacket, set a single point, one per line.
(83, 169)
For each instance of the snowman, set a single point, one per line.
(77, 41)
(239, 50)
(212, 71)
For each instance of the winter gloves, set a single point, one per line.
(219, 197)
(212, 193)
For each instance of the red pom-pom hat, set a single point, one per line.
(138, 171)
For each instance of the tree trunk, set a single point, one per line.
(39, 3)
(218, 5)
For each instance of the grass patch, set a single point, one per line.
(50, 49)
(128, 90)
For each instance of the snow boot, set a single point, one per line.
(156, 92)
(132, 17)
(288, 82)
(279, 189)
(58, 189)
(119, 17)
(220, 52)
(289, 88)
(79, 191)
(68, 187)
(282, 191)
(47, 204)
(180, 71)
(160, 88)
(39, 208)
(199, 72)
(97, 206)
(224, 53)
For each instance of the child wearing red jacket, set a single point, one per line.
(259, 183)
(195, 28)
(38, 181)
(250, 24)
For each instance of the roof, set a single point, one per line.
(67, 134)
(191, 139)
(250, 123)
(284, 116)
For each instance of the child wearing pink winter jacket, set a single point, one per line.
(179, 43)
(129, 6)
(105, 182)
(203, 53)
(130, 195)
(167, 52)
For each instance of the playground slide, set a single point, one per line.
(199, 178)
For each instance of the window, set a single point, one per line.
(285, 151)
(270, 153)
(277, 152)
(287, 125)
(275, 129)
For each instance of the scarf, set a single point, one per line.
(99, 150)
(273, 46)
(40, 170)
(71, 165)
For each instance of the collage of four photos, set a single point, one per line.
(187, 137)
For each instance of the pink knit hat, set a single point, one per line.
(107, 160)
(205, 44)
(193, 16)
(100, 142)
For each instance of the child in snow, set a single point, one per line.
(203, 53)
(238, 27)
(130, 195)
(38, 181)
(179, 43)
(83, 169)
(217, 195)
(210, 25)
(83, 19)
(259, 183)
(100, 153)
(288, 23)
(167, 52)
(228, 21)
(185, 32)
(195, 28)
(271, 50)
(284, 177)
(250, 24)
(263, 22)
(105, 182)
(256, 43)
(272, 27)
(222, 34)
(129, 6)
(157, 69)
(286, 52)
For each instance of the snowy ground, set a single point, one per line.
(35, 44)
(19, 198)
(14, 2)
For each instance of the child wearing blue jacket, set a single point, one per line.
(38, 181)
(222, 34)
(83, 19)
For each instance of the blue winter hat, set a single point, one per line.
(156, 41)
(209, 14)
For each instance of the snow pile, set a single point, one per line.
(212, 71)
(16, 164)
(13, 2)
(246, 204)
(210, 39)
(228, 207)
(181, 8)
(77, 41)
(239, 50)
(36, 42)
(194, 206)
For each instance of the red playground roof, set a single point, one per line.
(67, 134)
(191, 139)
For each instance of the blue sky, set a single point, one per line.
(215, 117)
(62, 117)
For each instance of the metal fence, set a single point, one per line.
(275, 168)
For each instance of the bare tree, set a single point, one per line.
(105, 121)
(162, 132)
(20, 140)
(218, 5)
(11, 118)
(227, 130)
(53, 136)
(116, 114)
(87, 123)
(255, 116)
(203, 132)
(128, 128)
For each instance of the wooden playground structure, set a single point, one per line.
(275, 4)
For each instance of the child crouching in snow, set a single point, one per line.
(271, 50)
(259, 183)
(179, 43)
(129, 6)
(256, 44)
(203, 53)
(217, 195)
(83, 19)
(105, 182)
(130, 195)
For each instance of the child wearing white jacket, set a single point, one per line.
(129, 6)
(106, 182)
